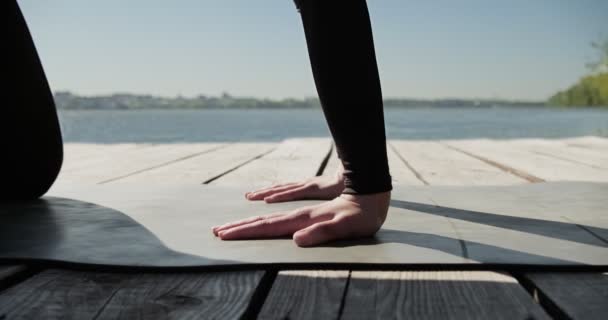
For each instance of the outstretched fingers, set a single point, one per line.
(296, 193)
(273, 226)
(262, 193)
(237, 223)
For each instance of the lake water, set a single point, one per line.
(165, 126)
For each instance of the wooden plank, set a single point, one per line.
(437, 295)
(589, 142)
(62, 294)
(292, 160)
(509, 154)
(402, 173)
(114, 167)
(206, 166)
(109, 155)
(223, 295)
(439, 165)
(559, 150)
(59, 294)
(84, 155)
(305, 295)
(572, 295)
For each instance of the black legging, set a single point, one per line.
(341, 50)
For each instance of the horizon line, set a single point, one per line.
(180, 96)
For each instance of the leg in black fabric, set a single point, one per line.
(342, 55)
(340, 46)
(341, 50)
(29, 130)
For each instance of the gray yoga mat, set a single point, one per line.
(563, 224)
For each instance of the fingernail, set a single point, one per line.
(221, 234)
(299, 242)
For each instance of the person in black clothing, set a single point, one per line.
(342, 56)
(31, 144)
(341, 50)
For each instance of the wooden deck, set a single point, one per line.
(29, 292)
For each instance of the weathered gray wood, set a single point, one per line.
(576, 295)
(560, 150)
(439, 165)
(223, 295)
(78, 156)
(437, 295)
(588, 142)
(114, 167)
(206, 166)
(305, 295)
(546, 168)
(75, 154)
(61, 294)
(293, 160)
(402, 172)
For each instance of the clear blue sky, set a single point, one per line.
(516, 49)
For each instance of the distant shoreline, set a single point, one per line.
(69, 101)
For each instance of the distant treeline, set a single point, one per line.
(67, 100)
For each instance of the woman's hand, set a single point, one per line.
(345, 217)
(321, 188)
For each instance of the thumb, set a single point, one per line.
(319, 233)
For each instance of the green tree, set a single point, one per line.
(591, 90)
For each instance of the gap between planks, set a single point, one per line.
(170, 162)
(569, 295)
(398, 294)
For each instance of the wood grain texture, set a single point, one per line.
(402, 172)
(203, 167)
(305, 295)
(121, 163)
(80, 156)
(76, 155)
(588, 142)
(223, 295)
(61, 294)
(575, 295)
(439, 165)
(511, 154)
(438, 295)
(293, 160)
(559, 149)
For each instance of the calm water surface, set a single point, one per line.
(167, 126)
